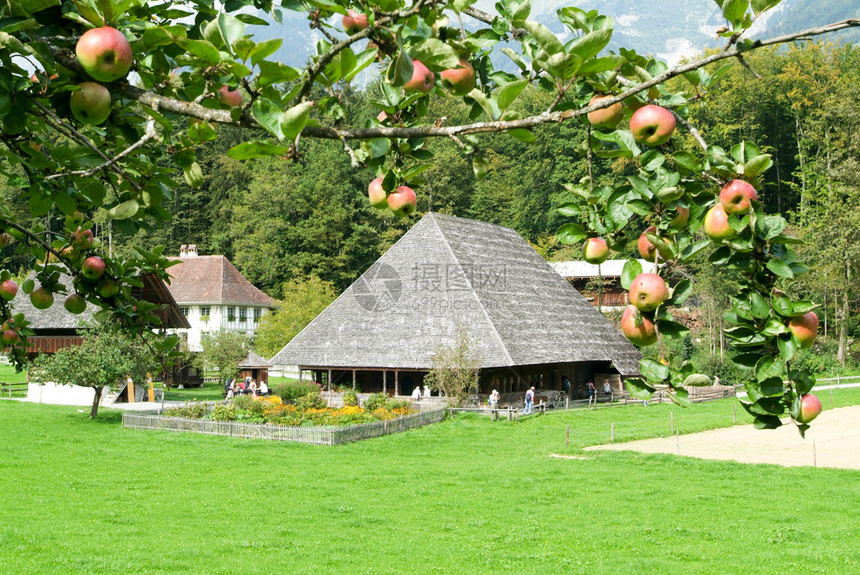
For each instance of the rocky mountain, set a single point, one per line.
(670, 29)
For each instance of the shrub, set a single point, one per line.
(350, 398)
(223, 413)
(292, 390)
(191, 411)
(375, 401)
(395, 404)
(312, 400)
(247, 403)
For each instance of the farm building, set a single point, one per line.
(586, 279)
(527, 324)
(57, 328)
(214, 296)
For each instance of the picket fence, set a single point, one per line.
(315, 435)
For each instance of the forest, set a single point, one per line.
(289, 223)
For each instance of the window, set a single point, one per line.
(184, 311)
(231, 313)
(257, 314)
(243, 314)
(204, 313)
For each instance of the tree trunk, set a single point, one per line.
(96, 399)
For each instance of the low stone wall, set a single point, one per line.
(316, 435)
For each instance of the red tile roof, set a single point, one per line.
(212, 279)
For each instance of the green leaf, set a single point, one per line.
(125, 210)
(697, 380)
(400, 70)
(758, 306)
(760, 6)
(734, 10)
(256, 149)
(509, 93)
(653, 370)
(269, 116)
(570, 234)
(782, 305)
(757, 165)
(803, 381)
(264, 49)
(591, 44)
(683, 290)
(780, 268)
(632, 268)
(231, 29)
(788, 347)
(295, 119)
(275, 73)
(766, 422)
(521, 134)
(597, 65)
(672, 328)
(638, 389)
(435, 54)
(544, 36)
(768, 367)
(489, 105)
(681, 397)
(201, 49)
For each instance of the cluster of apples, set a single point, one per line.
(647, 292)
(650, 125)
(459, 81)
(735, 198)
(402, 201)
(105, 55)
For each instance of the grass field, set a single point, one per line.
(464, 496)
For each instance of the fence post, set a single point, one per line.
(678, 442)
(735, 415)
(671, 421)
(612, 433)
(567, 438)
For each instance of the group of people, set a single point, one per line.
(245, 386)
(416, 393)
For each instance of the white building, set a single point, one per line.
(213, 295)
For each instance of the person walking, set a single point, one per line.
(530, 400)
(591, 391)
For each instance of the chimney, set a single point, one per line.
(192, 251)
(183, 251)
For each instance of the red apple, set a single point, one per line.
(378, 197)
(681, 219)
(736, 196)
(41, 298)
(82, 239)
(648, 291)
(8, 290)
(230, 97)
(605, 118)
(716, 224)
(104, 53)
(93, 267)
(648, 250)
(108, 288)
(805, 328)
(10, 337)
(91, 104)
(75, 304)
(810, 407)
(422, 78)
(595, 250)
(643, 334)
(461, 80)
(402, 201)
(652, 125)
(354, 22)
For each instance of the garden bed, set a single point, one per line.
(313, 434)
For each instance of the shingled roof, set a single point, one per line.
(449, 271)
(213, 280)
(57, 319)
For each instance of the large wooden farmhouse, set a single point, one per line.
(528, 325)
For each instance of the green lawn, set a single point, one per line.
(464, 496)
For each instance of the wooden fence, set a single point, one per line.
(316, 435)
(8, 388)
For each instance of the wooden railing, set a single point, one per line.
(8, 388)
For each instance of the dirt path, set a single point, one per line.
(833, 441)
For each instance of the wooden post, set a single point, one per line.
(510, 416)
(612, 432)
(329, 382)
(384, 382)
(735, 415)
(678, 442)
(672, 421)
(301, 373)
(396, 382)
(831, 397)
(567, 437)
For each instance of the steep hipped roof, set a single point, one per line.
(56, 318)
(214, 280)
(446, 272)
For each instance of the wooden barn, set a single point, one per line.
(588, 278)
(56, 328)
(528, 325)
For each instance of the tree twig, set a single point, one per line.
(692, 129)
(149, 134)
